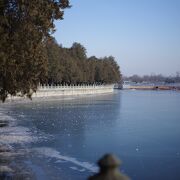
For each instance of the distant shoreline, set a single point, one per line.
(162, 87)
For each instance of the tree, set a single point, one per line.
(71, 66)
(78, 53)
(24, 28)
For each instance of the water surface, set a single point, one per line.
(63, 139)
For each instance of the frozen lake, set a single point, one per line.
(63, 139)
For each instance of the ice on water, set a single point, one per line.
(52, 153)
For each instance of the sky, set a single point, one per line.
(142, 35)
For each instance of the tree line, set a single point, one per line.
(72, 66)
(28, 54)
(154, 78)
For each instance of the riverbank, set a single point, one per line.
(59, 92)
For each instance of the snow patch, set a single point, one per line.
(52, 153)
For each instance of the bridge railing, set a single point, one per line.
(63, 87)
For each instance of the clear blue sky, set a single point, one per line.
(143, 35)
